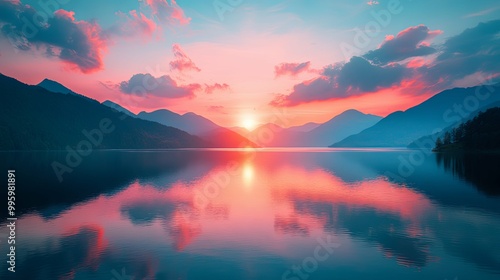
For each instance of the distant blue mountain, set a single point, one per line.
(321, 135)
(304, 128)
(339, 127)
(420, 142)
(399, 129)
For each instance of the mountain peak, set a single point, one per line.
(47, 80)
(117, 107)
(350, 111)
(54, 86)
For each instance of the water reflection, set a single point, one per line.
(481, 169)
(231, 215)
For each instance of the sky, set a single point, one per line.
(249, 62)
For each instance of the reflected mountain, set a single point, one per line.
(253, 214)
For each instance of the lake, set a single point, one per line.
(255, 214)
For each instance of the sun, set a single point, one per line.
(248, 123)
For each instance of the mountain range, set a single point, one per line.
(312, 134)
(193, 124)
(214, 135)
(446, 108)
(34, 118)
(52, 116)
(423, 142)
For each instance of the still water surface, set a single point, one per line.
(267, 214)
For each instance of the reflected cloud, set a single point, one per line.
(375, 211)
(286, 202)
(290, 225)
(78, 249)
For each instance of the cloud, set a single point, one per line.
(410, 42)
(361, 75)
(292, 69)
(404, 61)
(164, 86)
(209, 89)
(77, 43)
(217, 109)
(372, 3)
(358, 76)
(182, 62)
(167, 13)
(483, 38)
(482, 13)
(133, 24)
(474, 50)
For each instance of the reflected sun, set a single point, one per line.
(248, 174)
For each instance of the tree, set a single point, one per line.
(459, 133)
(439, 143)
(447, 138)
(454, 135)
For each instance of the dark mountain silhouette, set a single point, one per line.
(192, 123)
(399, 129)
(337, 128)
(118, 108)
(480, 133)
(36, 119)
(200, 126)
(54, 86)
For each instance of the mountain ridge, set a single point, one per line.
(68, 120)
(400, 128)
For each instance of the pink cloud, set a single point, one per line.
(168, 13)
(87, 56)
(182, 62)
(209, 89)
(389, 37)
(217, 109)
(416, 63)
(143, 85)
(411, 42)
(292, 69)
(78, 44)
(133, 23)
(356, 77)
(65, 14)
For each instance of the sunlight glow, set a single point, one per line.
(248, 174)
(249, 123)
